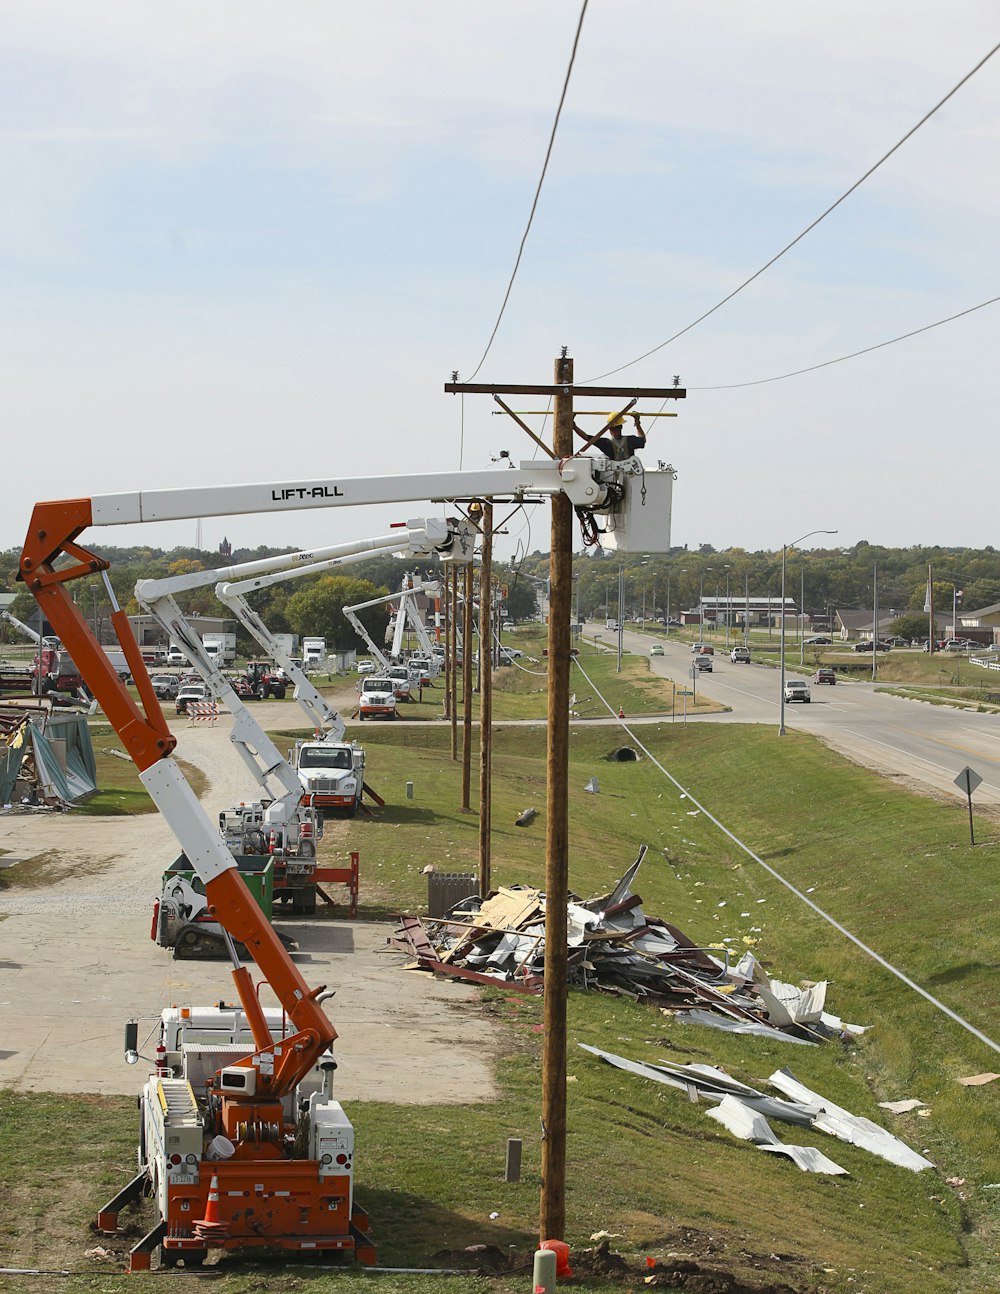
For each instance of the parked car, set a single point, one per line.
(188, 693)
(656, 649)
(512, 653)
(740, 655)
(820, 640)
(797, 690)
(825, 675)
(867, 646)
(365, 667)
(896, 641)
(704, 663)
(696, 647)
(166, 686)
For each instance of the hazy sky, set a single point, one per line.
(245, 241)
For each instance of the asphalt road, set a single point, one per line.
(929, 744)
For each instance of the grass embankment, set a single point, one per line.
(520, 689)
(642, 1161)
(120, 793)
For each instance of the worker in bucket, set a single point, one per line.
(616, 446)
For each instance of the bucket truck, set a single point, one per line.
(331, 770)
(238, 1146)
(406, 613)
(284, 823)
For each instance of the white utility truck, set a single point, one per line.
(313, 652)
(220, 648)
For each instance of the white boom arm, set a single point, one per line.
(408, 613)
(263, 759)
(19, 624)
(406, 608)
(584, 480)
(450, 540)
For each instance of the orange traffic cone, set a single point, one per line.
(211, 1228)
(621, 713)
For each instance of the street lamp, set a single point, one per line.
(784, 552)
(728, 614)
(701, 606)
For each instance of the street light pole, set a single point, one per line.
(784, 553)
(728, 615)
(701, 605)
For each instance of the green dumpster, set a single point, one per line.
(257, 871)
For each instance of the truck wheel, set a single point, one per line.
(352, 812)
(279, 694)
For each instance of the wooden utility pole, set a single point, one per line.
(453, 683)
(552, 1217)
(552, 1220)
(447, 642)
(485, 700)
(467, 693)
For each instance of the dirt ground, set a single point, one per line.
(76, 962)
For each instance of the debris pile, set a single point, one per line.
(615, 947)
(744, 1111)
(46, 759)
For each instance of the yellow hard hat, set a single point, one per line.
(614, 419)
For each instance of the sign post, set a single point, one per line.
(967, 781)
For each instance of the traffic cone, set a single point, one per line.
(211, 1228)
(621, 713)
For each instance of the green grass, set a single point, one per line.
(642, 1161)
(120, 793)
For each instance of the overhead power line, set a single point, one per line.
(762, 381)
(810, 227)
(538, 191)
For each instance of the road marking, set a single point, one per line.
(907, 755)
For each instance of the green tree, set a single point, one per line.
(910, 626)
(319, 609)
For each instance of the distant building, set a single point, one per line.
(149, 633)
(225, 548)
(736, 611)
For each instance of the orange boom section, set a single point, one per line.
(52, 534)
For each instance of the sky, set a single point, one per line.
(251, 242)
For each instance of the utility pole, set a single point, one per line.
(486, 700)
(552, 1214)
(467, 692)
(453, 684)
(552, 1217)
(932, 627)
(447, 643)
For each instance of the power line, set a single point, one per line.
(538, 191)
(809, 228)
(870, 952)
(733, 386)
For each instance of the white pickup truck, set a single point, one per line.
(332, 774)
(377, 699)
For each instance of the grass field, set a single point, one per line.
(119, 790)
(642, 1162)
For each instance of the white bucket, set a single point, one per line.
(220, 1148)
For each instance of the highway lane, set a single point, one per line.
(929, 744)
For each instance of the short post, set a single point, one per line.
(513, 1168)
(968, 780)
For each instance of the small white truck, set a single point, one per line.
(313, 652)
(332, 774)
(220, 648)
(377, 699)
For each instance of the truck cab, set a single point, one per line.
(377, 698)
(332, 774)
(400, 676)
